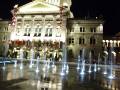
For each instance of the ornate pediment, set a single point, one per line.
(38, 7)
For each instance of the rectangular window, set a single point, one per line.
(36, 30)
(25, 30)
(39, 34)
(46, 33)
(80, 41)
(35, 34)
(71, 40)
(93, 29)
(50, 32)
(82, 29)
(40, 30)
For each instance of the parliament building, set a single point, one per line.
(49, 24)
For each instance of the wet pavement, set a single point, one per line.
(14, 78)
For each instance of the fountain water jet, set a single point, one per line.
(37, 66)
(78, 63)
(105, 60)
(105, 65)
(82, 72)
(21, 58)
(95, 67)
(4, 65)
(90, 58)
(15, 63)
(99, 59)
(64, 60)
(31, 58)
(111, 57)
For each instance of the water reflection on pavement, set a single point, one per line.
(13, 78)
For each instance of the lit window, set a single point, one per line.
(50, 32)
(27, 30)
(46, 33)
(37, 31)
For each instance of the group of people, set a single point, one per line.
(26, 54)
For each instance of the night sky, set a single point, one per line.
(108, 9)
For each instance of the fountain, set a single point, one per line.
(105, 60)
(48, 64)
(99, 59)
(15, 63)
(90, 59)
(4, 65)
(83, 67)
(111, 58)
(82, 72)
(67, 69)
(31, 58)
(105, 65)
(95, 67)
(21, 58)
(78, 63)
(64, 63)
(37, 65)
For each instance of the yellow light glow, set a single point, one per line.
(106, 52)
(111, 41)
(103, 40)
(107, 41)
(114, 53)
(115, 41)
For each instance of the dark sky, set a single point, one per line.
(109, 9)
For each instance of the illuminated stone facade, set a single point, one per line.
(52, 20)
(85, 34)
(42, 20)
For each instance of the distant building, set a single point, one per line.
(85, 34)
(5, 33)
(114, 43)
